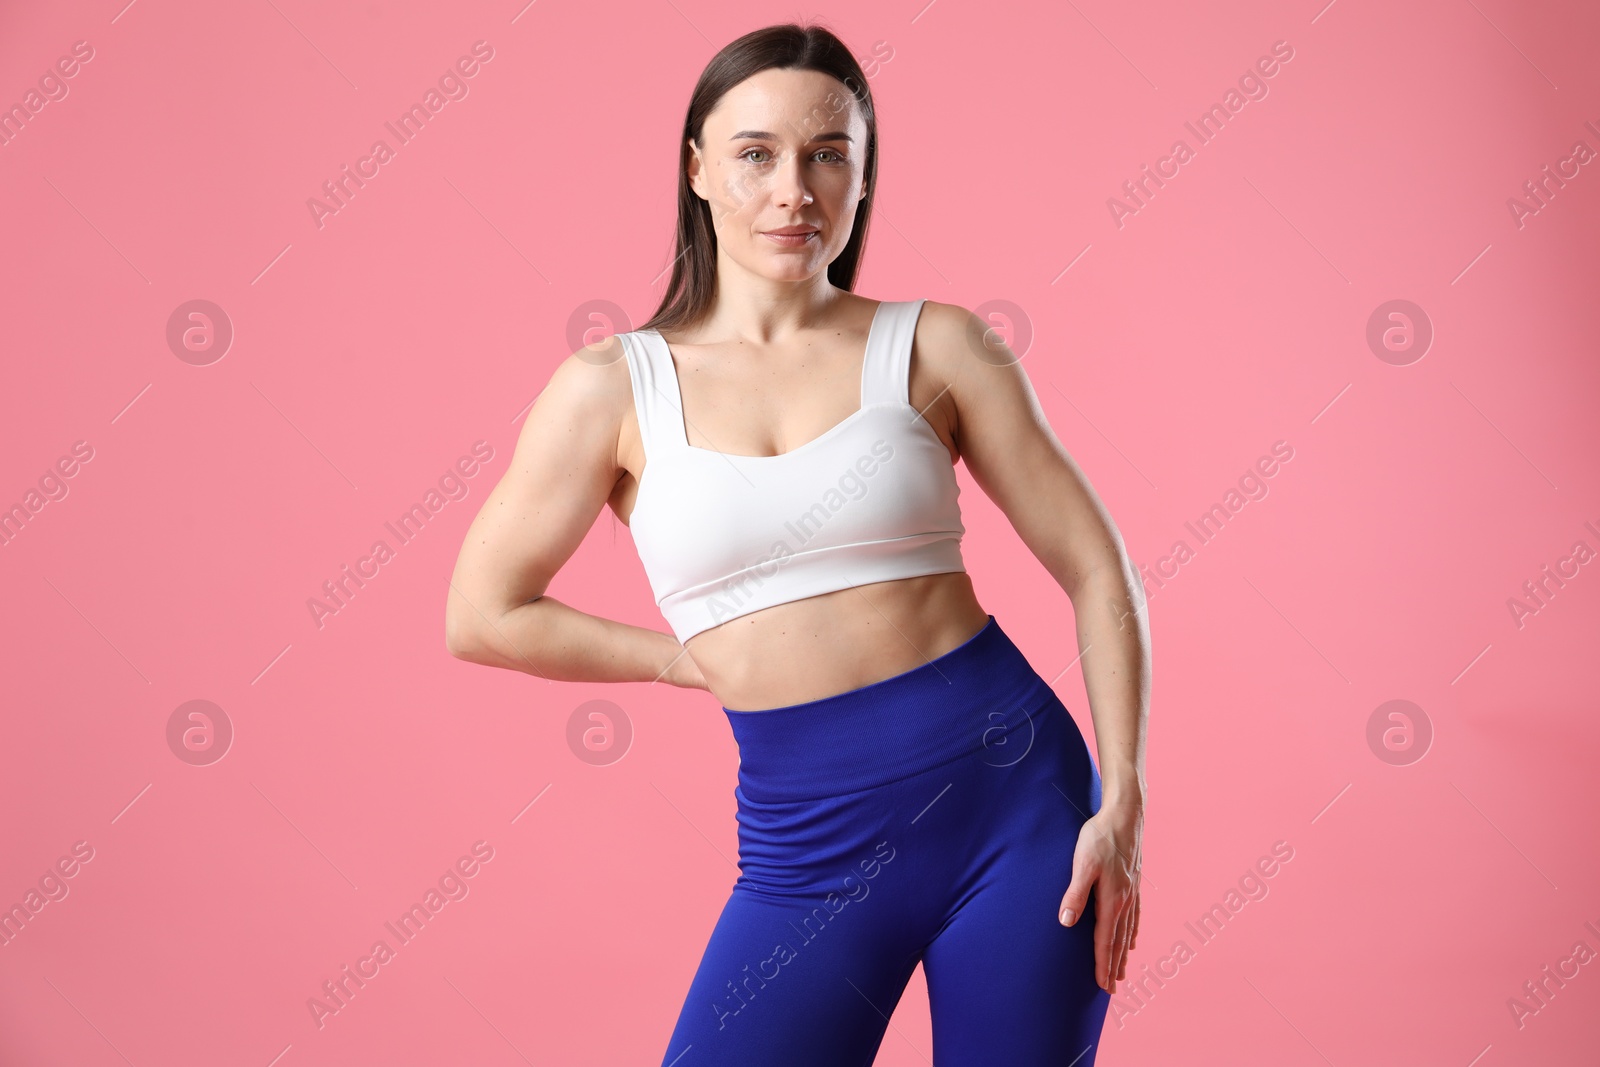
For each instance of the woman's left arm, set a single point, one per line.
(1016, 459)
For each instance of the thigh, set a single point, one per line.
(793, 981)
(1007, 983)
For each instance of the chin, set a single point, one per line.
(793, 275)
(780, 269)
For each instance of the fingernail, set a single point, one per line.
(1066, 916)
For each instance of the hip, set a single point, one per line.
(980, 700)
(967, 758)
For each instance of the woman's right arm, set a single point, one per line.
(562, 472)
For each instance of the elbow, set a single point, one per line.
(1109, 570)
(467, 633)
(460, 639)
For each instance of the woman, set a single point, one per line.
(910, 789)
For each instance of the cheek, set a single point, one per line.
(740, 192)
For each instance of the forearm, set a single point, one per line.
(554, 641)
(1114, 642)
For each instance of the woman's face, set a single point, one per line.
(782, 149)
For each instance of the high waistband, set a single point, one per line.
(958, 704)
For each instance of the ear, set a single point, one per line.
(696, 171)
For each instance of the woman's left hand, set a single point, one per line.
(1107, 860)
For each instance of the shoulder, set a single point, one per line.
(595, 374)
(981, 378)
(589, 391)
(950, 337)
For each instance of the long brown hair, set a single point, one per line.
(789, 46)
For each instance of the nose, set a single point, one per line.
(789, 184)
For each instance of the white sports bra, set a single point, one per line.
(871, 500)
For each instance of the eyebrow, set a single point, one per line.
(764, 135)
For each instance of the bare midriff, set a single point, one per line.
(825, 645)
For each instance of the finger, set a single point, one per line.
(1073, 901)
(1085, 872)
(1133, 942)
(1132, 930)
(1108, 917)
(1104, 929)
(1119, 949)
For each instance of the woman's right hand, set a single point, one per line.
(685, 672)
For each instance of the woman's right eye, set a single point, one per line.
(746, 153)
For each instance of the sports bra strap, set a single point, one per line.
(655, 391)
(886, 378)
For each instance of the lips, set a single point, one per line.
(792, 231)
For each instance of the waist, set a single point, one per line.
(965, 702)
(829, 643)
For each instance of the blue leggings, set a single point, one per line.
(928, 817)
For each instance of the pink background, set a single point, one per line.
(1171, 352)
